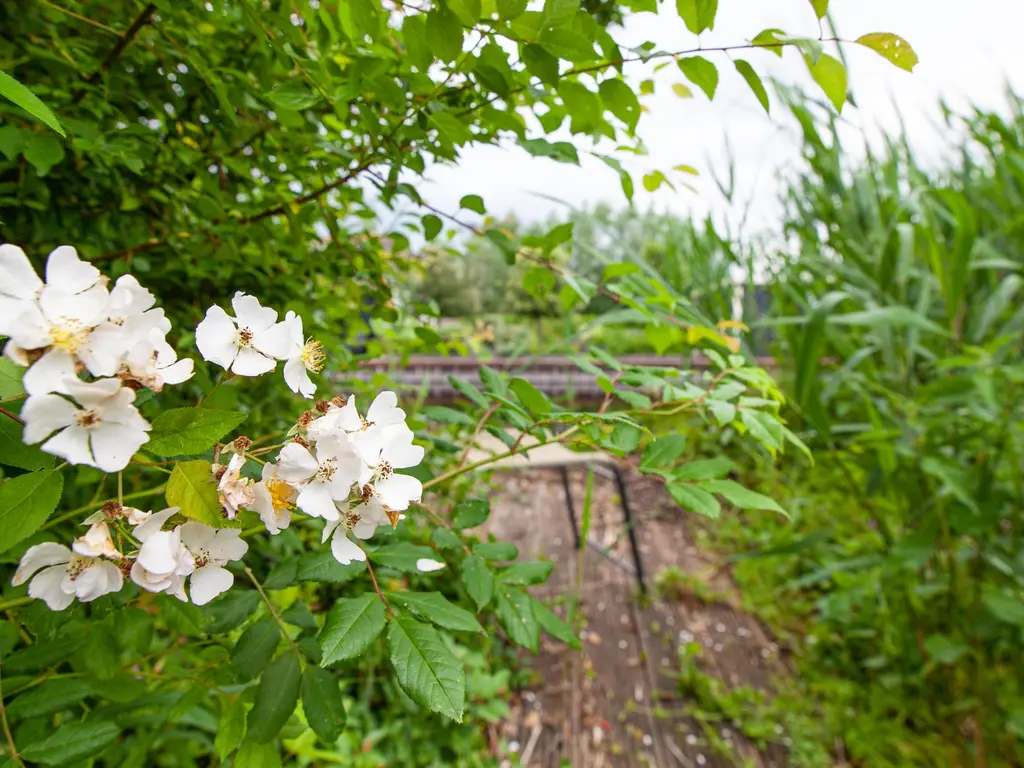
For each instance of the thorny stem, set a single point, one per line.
(272, 609)
(7, 728)
(376, 587)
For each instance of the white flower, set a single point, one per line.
(100, 427)
(64, 575)
(362, 520)
(212, 548)
(335, 426)
(20, 286)
(233, 490)
(153, 363)
(325, 477)
(131, 514)
(274, 500)
(302, 357)
(97, 542)
(388, 449)
(163, 561)
(246, 344)
(426, 565)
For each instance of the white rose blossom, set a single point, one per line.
(302, 356)
(98, 426)
(324, 476)
(274, 500)
(212, 549)
(61, 575)
(383, 450)
(248, 344)
(163, 561)
(97, 542)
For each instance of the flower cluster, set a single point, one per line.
(73, 324)
(339, 467)
(94, 566)
(251, 343)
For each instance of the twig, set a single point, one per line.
(273, 611)
(123, 42)
(7, 728)
(476, 432)
(79, 510)
(14, 416)
(376, 587)
(81, 18)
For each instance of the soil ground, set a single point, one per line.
(616, 702)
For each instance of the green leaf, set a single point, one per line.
(698, 15)
(562, 151)
(891, 47)
(471, 513)
(230, 610)
(944, 650)
(524, 574)
(43, 151)
(188, 431)
(496, 551)
(191, 487)
(417, 45)
(538, 282)
(255, 648)
(654, 180)
(467, 11)
(772, 39)
(276, 696)
(701, 73)
(425, 668)
(741, 497)
(24, 98)
(366, 16)
(820, 8)
(754, 81)
(511, 9)
(504, 243)
(552, 624)
(10, 379)
(402, 556)
(322, 703)
(830, 74)
(230, 728)
(322, 567)
(535, 400)
(473, 203)
(72, 741)
(559, 13)
(695, 500)
(621, 101)
(26, 502)
(14, 452)
(1005, 607)
(446, 538)
(432, 226)
(515, 613)
(663, 452)
(478, 581)
(435, 608)
(704, 469)
(889, 317)
(291, 94)
(444, 30)
(253, 755)
(352, 624)
(50, 696)
(624, 438)
(663, 337)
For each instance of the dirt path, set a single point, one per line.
(617, 702)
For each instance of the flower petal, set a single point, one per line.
(426, 565)
(217, 337)
(315, 500)
(228, 545)
(113, 445)
(297, 378)
(50, 373)
(208, 582)
(397, 491)
(68, 272)
(71, 444)
(153, 523)
(44, 415)
(40, 556)
(250, 314)
(249, 362)
(296, 464)
(197, 536)
(344, 550)
(17, 277)
(384, 410)
(160, 552)
(47, 587)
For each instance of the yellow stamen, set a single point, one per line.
(68, 338)
(280, 495)
(313, 356)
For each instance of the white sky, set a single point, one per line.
(969, 50)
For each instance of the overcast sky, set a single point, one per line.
(967, 56)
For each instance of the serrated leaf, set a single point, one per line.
(445, 32)
(322, 703)
(188, 431)
(663, 452)
(230, 728)
(741, 497)
(514, 611)
(425, 668)
(191, 488)
(553, 625)
(10, 379)
(253, 755)
(496, 551)
(72, 741)
(352, 624)
(891, 47)
(24, 98)
(525, 574)
(701, 73)
(754, 81)
(50, 696)
(446, 538)
(43, 151)
(276, 697)
(704, 469)
(695, 499)
(15, 453)
(830, 74)
(530, 396)
(255, 648)
(471, 513)
(435, 608)
(26, 502)
(478, 580)
(293, 94)
(402, 556)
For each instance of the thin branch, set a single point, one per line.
(7, 729)
(124, 40)
(273, 611)
(81, 18)
(373, 578)
(10, 415)
(476, 432)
